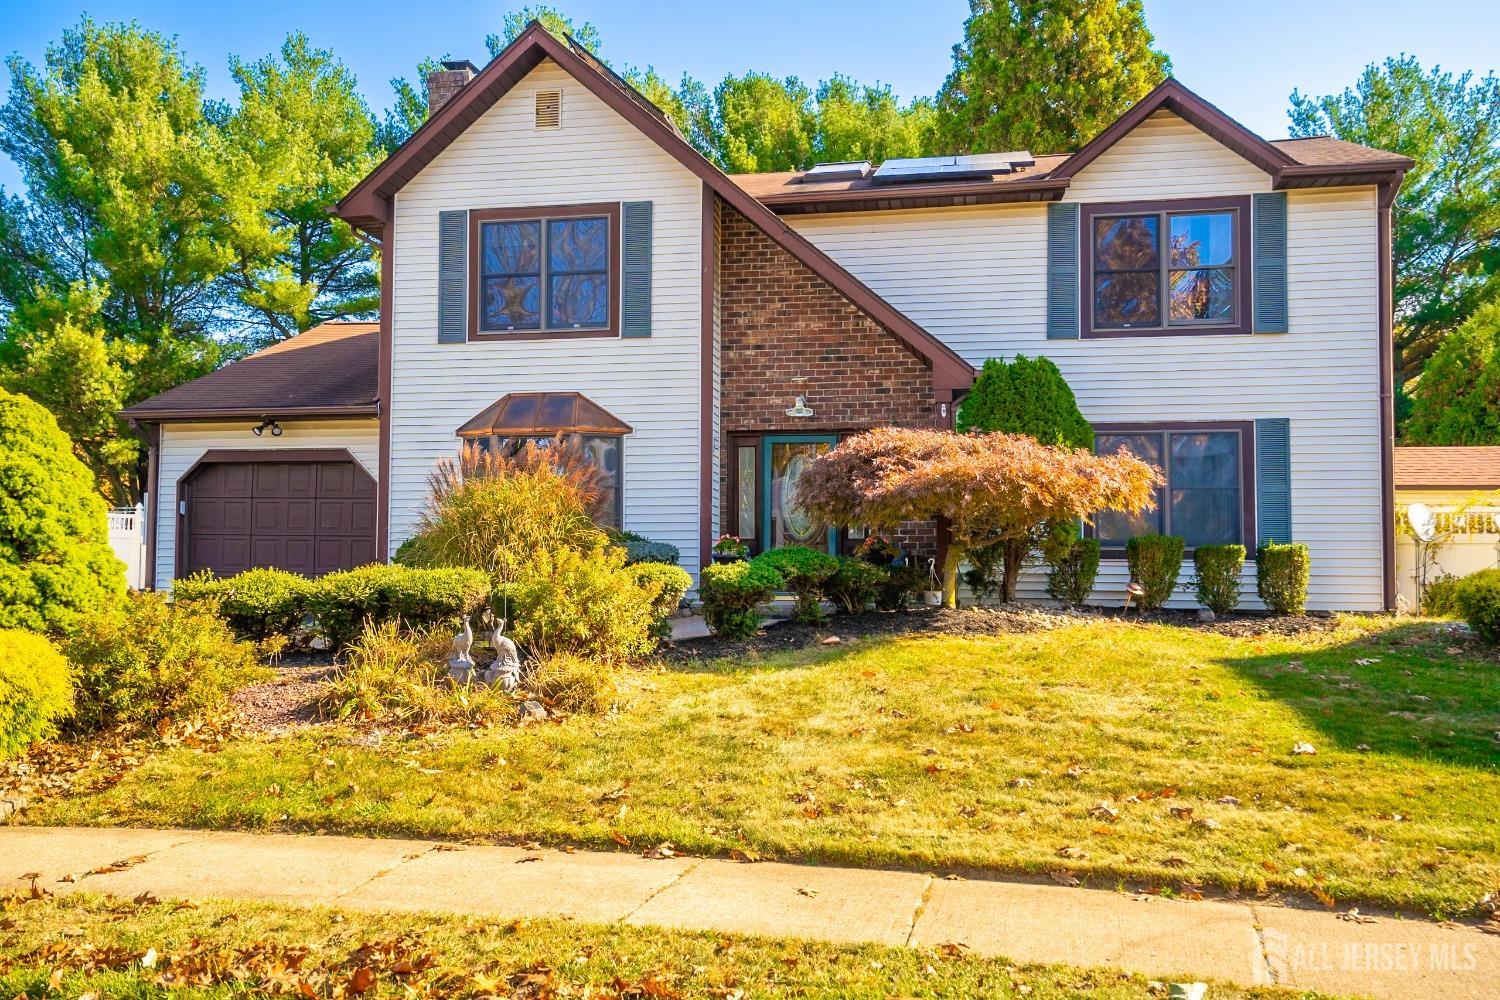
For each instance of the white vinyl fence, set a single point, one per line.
(127, 534)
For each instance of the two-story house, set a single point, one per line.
(555, 257)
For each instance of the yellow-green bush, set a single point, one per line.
(151, 661)
(732, 591)
(583, 602)
(1478, 599)
(35, 690)
(1155, 561)
(672, 581)
(1217, 576)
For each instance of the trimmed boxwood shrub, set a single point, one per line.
(1478, 599)
(256, 603)
(856, 584)
(732, 591)
(1073, 571)
(151, 661)
(56, 564)
(35, 690)
(342, 602)
(1155, 562)
(674, 581)
(805, 571)
(1218, 576)
(1281, 572)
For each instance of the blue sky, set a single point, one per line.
(1244, 57)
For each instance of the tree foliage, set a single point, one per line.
(989, 488)
(1045, 75)
(1457, 399)
(302, 124)
(1446, 243)
(56, 564)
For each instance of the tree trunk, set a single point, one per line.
(950, 575)
(1012, 558)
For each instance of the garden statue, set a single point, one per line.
(460, 664)
(506, 670)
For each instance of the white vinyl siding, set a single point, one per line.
(183, 444)
(653, 384)
(975, 277)
(1165, 157)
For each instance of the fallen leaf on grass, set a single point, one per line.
(1064, 878)
(1355, 917)
(1071, 852)
(1105, 810)
(619, 838)
(1181, 812)
(1323, 897)
(1303, 749)
(362, 981)
(744, 854)
(661, 852)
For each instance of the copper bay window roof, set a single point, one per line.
(542, 414)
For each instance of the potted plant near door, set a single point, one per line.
(730, 549)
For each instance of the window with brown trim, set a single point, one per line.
(544, 272)
(1167, 268)
(1208, 494)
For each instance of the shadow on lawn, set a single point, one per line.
(1415, 689)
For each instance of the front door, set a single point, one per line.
(784, 459)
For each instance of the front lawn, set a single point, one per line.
(1155, 756)
(87, 947)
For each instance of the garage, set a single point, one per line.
(309, 512)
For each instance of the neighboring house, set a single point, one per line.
(1462, 488)
(557, 258)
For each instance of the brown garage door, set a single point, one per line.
(308, 517)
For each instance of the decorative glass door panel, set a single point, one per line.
(785, 521)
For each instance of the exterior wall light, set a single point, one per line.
(264, 425)
(800, 408)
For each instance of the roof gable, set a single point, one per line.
(1170, 95)
(369, 204)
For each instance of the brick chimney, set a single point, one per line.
(444, 83)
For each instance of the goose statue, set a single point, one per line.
(460, 664)
(506, 670)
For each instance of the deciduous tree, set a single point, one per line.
(1446, 243)
(302, 124)
(989, 488)
(1045, 75)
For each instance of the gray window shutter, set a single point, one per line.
(1273, 480)
(635, 269)
(1269, 241)
(1062, 271)
(453, 260)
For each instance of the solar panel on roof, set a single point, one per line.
(847, 170)
(950, 168)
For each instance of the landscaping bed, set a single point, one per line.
(981, 621)
(1162, 757)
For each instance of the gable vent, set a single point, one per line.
(549, 109)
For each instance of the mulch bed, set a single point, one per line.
(1003, 620)
(289, 698)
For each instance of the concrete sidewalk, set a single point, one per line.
(1251, 944)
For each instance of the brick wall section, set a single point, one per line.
(442, 85)
(778, 321)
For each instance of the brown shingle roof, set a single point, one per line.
(1471, 468)
(329, 370)
(1326, 151)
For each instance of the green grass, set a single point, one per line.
(227, 950)
(903, 753)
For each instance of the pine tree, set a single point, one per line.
(1045, 75)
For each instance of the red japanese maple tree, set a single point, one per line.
(988, 487)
